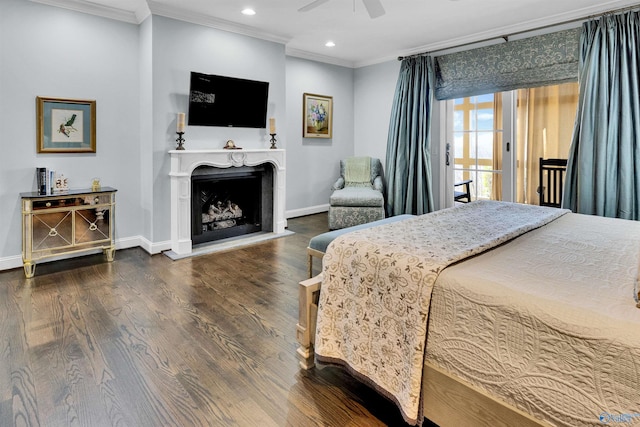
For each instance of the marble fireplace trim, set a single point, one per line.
(183, 163)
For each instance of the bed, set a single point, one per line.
(484, 314)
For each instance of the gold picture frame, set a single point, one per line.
(65, 125)
(317, 116)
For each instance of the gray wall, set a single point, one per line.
(313, 164)
(146, 132)
(364, 115)
(139, 77)
(375, 86)
(177, 49)
(53, 52)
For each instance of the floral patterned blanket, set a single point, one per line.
(376, 290)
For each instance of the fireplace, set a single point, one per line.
(230, 202)
(193, 170)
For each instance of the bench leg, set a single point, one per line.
(308, 293)
(311, 253)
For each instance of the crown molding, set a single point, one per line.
(99, 10)
(522, 30)
(303, 54)
(160, 9)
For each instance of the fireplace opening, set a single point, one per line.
(230, 202)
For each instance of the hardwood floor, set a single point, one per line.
(147, 341)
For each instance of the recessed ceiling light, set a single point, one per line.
(329, 44)
(248, 11)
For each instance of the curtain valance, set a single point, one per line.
(536, 61)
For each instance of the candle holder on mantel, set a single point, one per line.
(180, 141)
(273, 141)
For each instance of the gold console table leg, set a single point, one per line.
(29, 269)
(110, 253)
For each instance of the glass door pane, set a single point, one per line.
(477, 140)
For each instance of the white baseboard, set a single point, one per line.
(307, 211)
(10, 262)
(154, 248)
(148, 246)
(15, 261)
(128, 242)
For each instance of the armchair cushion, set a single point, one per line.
(356, 196)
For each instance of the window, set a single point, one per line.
(544, 119)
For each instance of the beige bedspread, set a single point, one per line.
(548, 322)
(374, 304)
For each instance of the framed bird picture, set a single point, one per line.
(66, 125)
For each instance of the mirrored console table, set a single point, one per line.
(66, 223)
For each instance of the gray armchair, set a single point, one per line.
(358, 193)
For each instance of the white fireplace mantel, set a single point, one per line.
(183, 163)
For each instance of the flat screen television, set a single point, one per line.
(227, 101)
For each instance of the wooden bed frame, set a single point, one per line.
(448, 400)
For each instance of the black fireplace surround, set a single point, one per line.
(231, 202)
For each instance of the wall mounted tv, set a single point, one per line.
(227, 101)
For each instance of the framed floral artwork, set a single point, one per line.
(317, 117)
(65, 125)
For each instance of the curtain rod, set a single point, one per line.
(506, 38)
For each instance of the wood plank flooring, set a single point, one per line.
(147, 341)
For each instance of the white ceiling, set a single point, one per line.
(407, 27)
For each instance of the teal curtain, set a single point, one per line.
(408, 162)
(603, 171)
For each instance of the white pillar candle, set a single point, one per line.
(272, 125)
(180, 122)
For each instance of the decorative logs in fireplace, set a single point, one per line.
(229, 202)
(221, 215)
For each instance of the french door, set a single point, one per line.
(479, 147)
(496, 140)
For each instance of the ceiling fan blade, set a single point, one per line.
(374, 7)
(312, 5)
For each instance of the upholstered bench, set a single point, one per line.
(318, 244)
